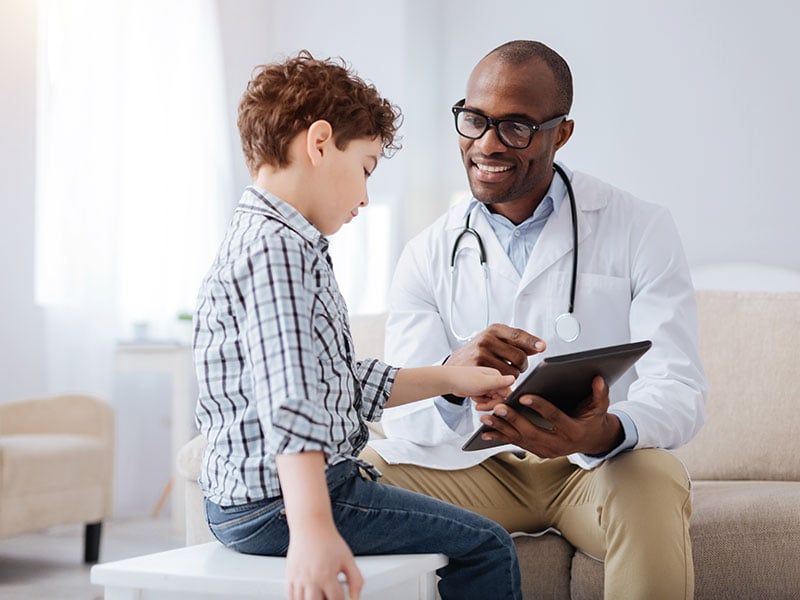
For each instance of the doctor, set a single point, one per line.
(519, 293)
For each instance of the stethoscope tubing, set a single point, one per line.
(574, 211)
(470, 231)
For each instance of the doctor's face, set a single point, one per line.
(512, 180)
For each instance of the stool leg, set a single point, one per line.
(91, 542)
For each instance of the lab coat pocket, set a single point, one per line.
(602, 305)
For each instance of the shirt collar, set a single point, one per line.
(269, 204)
(555, 195)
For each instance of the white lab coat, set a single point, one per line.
(633, 284)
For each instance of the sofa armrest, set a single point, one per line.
(73, 414)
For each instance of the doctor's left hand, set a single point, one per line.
(591, 431)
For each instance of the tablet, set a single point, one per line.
(565, 381)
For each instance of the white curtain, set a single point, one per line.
(133, 174)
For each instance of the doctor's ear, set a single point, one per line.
(563, 133)
(319, 136)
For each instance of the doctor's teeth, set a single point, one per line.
(491, 168)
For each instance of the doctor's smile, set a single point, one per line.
(491, 172)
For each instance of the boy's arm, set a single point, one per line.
(483, 384)
(317, 553)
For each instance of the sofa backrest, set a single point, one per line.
(368, 333)
(750, 350)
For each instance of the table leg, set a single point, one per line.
(427, 586)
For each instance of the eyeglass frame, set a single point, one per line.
(459, 108)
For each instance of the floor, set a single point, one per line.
(49, 565)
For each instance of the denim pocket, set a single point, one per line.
(255, 528)
(225, 517)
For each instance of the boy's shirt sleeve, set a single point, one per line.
(274, 283)
(376, 379)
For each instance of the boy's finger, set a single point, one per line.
(354, 580)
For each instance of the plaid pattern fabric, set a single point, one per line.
(274, 356)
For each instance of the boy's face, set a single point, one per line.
(346, 173)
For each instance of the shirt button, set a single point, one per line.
(516, 233)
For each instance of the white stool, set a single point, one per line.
(212, 571)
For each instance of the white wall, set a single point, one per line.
(21, 333)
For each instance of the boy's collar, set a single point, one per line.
(264, 201)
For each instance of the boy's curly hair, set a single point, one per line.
(283, 99)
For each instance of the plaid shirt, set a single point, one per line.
(274, 355)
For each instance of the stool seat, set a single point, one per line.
(211, 570)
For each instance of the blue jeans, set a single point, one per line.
(374, 518)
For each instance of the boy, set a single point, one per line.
(282, 400)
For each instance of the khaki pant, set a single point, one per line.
(632, 511)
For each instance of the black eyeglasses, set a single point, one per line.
(513, 133)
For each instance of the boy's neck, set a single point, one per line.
(286, 184)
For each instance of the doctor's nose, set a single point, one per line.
(489, 142)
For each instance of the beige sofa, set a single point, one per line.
(745, 462)
(56, 466)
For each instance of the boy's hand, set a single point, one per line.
(317, 553)
(313, 563)
(485, 385)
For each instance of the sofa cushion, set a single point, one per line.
(739, 524)
(749, 348)
(544, 563)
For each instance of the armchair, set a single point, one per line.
(56, 466)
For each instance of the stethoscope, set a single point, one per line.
(566, 324)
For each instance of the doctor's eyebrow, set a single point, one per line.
(510, 116)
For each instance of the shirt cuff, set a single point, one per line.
(630, 440)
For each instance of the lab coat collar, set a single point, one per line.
(554, 242)
(556, 239)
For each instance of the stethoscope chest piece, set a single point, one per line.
(567, 327)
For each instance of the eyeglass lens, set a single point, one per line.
(511, 133)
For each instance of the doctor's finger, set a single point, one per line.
(512, 356)
(598, 402)
(493, 351)
(519, 338)
(548, 411)
(600, 395)
(501, 429)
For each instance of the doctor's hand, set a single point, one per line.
(591, 431)
(498, 346)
